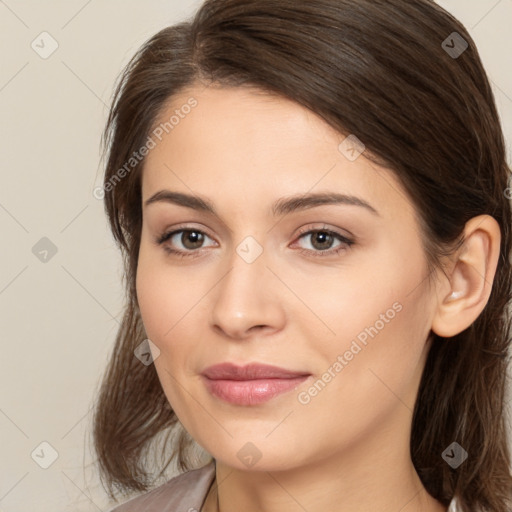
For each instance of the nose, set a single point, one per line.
(248, 299)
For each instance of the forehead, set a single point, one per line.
(245, 146)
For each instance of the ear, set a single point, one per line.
(463, 294)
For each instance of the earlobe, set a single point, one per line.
(470, 283)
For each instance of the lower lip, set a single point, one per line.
(251, 392)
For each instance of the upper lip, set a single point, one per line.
(230, 371)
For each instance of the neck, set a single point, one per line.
(287, 492)
(366, 476)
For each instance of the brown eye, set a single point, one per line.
(196, 238)
(323, 239)
(182, 242)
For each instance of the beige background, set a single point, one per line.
(59, 317)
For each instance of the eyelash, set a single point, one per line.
(161, 239)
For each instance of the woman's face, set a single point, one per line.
(335, 292)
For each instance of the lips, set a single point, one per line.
(251, 384)
(249, 372)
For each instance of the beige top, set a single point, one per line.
(185, 493)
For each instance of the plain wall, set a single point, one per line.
(59, 317)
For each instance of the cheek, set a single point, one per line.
(362, 300)
(163, 302)
(377, 319)
(152, 299)
(379, 371)
(170, 300)
(163, 293)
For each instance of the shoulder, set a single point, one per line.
(184, 493)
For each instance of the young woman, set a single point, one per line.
(312, 203)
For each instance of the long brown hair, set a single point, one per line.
(393, 73)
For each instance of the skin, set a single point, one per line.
(347, 449)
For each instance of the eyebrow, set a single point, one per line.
(282, 206)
